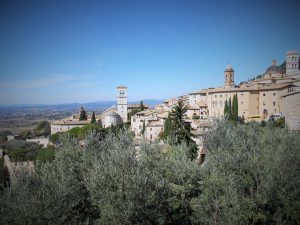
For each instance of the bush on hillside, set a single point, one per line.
(42, 129)
(20, 150)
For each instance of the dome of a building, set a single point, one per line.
(111, 118)
(229, 68)
(112, 113)
(274, 69)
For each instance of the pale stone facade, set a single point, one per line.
(291, 106)
(261, 97)
(41, 141)
(66, 125)
(292, 63)
(152, 121)
(110, 119)
(122, 102)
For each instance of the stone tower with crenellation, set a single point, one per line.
(292, 62)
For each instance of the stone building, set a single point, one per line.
(261, 97)
(122, 102)
(291, 110)
(110, 117)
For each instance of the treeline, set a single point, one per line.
(250, 176)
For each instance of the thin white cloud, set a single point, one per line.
(81, 85)
(38, 83)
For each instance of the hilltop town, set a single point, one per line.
(274, 94)
(240, 172)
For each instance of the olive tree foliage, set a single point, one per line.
(151, 185)
(54, 193)
(251, 176)
(107, 181)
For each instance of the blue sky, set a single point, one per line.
(79, 51)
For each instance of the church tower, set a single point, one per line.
(122, 102)
(292, 62)
(229, 77)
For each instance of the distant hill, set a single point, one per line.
(89, 106)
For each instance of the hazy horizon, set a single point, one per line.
(54, 52)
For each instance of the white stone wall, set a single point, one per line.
(63, 127)
(40, 141)
(109, 121)
(292, 63)
(271, 101)
(122, 103)
(292, 111)
(197, 98)
(137, 122)
(152, 132)
(192, 112)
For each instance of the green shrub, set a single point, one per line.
(20, 150)
(54, 138)
(3, 138)
(4, 176)
(195, 117)
(46, 154)
(42, 129)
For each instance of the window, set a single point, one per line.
(242, 103)
(220, 96)
(274, 94)
(264, 94)
(264, 103)
(274, 103)
(216, 96)
(150, 129)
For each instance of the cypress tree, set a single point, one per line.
(181, 130)
(229, 109)
(93, 118)
(142, 107)
(83, 115)
(144, 129)
(235, 108)
(167, 128)
(226, 108)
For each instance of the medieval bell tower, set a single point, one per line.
(229, 77)
(122, 102)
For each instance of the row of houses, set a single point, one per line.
(274, 92)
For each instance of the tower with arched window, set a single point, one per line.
(122, 102)
(229, 77)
